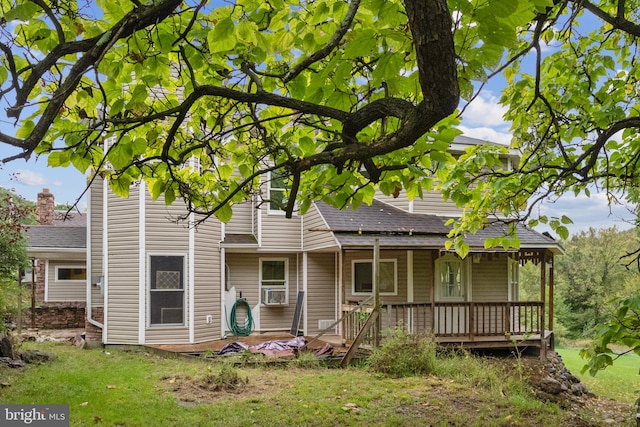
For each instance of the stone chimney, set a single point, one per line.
(46, 207)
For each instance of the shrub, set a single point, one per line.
(404, 355)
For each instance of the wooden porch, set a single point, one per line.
(502, 324)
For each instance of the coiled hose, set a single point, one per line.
(244, 329)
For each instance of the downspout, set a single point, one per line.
(89, 305)
(339, 285)
(142, 267)
(105, 260)
(192, 276)
(305, 288)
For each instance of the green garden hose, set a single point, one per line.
(244, 329)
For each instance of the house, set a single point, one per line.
(57, 247)
(154, 280)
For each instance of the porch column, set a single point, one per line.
(543, 281)
(551, 294)
(432, 290)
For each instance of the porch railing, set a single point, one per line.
(464, 320)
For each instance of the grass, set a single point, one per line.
(138, 388)
(620, 382)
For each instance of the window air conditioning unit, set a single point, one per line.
(274, 296)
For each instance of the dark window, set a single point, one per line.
(166, 290)
(70, 273)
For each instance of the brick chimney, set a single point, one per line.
(45, 208)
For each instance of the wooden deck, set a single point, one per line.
(217, 345)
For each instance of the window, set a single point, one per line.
(363, 277)
(70, 274)
(274, 280)
(451, 276)
(166, 289)
(278, 186)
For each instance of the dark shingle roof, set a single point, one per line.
(381, 218)
(48, 236)
(397, 228)
(71, 219)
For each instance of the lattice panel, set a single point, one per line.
(167, 279)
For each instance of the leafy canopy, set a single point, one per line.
(345, 97)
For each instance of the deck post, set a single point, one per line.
(543, 281)
(432, 291)
(551, 268)
(376, 291)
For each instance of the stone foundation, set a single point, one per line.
(93, 334)
(56, 316)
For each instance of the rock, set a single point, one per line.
(551, 385)
(16, 363)
(36, 356)
(578, 389)
(79, 341)
(572, 378)
(6, 348)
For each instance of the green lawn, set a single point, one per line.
(620, 382)
(134, 387)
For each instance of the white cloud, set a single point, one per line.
(586, 212)
(484, 110)
(28, 177)
(487, 134)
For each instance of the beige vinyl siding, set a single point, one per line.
(243, 277)
(274, 318)
(422, 275)
(489, 278)
(433, 203)
(321, 290)
(313, 237)
(65, 291)
(122, 297)
(95, 224)
(164, 236)
(242, 221)
(279, 232)
(400, 202)
(244, 269)
(401, 265)
(207, 281)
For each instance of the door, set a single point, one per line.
(452, 288)
(514, 293)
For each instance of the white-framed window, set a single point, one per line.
(362, 277)
(452, 278)
(70, 273)
(274, 281)
(166, 289)
(278, 184)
